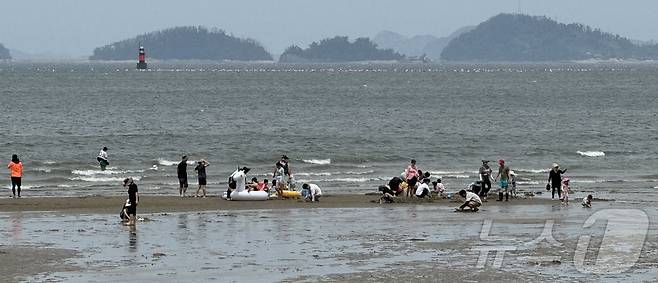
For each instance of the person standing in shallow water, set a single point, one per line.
(102, 158)
(503, 173)
(182, 176)
(133, 197)
(201, 172)
(16, 173)
(555, 180)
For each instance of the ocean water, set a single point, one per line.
(348, 128)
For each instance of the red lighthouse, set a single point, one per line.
(141, 65)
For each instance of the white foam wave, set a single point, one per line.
(44, 170)
(48, 162)
(333, 173)
(527, 182)
(101, 179)
(345, 180)
(318, 161)
(312, 174)
(439, 172)
(656, 187)
(358, 173)
(64, 186)
(456, 176)
(165, 162)
(100, 172)
(535, 171)
(591, 153)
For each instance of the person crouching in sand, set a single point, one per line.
(314, 192)
(133, 197)
(472, 201)
(587, 202)
(423, 189)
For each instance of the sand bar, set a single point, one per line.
(155, 204)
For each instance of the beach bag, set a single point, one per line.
(548, 187)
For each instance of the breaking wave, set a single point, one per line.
(591, 153)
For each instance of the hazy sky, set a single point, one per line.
(76, 27)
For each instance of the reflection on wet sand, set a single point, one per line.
(311, 244)
(132, 239)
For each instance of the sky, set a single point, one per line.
(73, 28)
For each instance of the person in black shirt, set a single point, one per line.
(555, 180)
(133, 197)
(394, 185)
(201, 172)
(182, 176)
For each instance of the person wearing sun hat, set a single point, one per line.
(555, 180)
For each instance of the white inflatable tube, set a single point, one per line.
(245, 195)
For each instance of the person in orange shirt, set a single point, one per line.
(16, 169)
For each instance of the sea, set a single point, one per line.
(346, 127)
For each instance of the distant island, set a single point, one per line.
(4, 53)
(517, 37)
(185, 43)
(339, 49)
(418, 45)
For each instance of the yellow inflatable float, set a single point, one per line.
(291, 194)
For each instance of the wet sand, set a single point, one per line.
(19, 262)
(399, 243)
(155, 204)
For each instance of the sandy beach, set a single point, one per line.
(155, 204)
(343, 238)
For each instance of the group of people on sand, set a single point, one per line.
(414, 183)
(507, 181)
(282, 180)
(181, 172)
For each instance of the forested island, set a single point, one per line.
(516, 37)
(185, 43)
(339, 49)
(4, 53)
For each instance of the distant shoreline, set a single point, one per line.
(153, 62)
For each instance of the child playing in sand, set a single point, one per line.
(314, 192)
(512, 180)
(438, 187)
(252, 185)
(472, 201)
(264, 185)
(565, 191)
(587, 202)
(423, 189)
